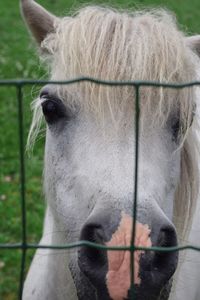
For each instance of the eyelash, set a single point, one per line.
(53, 109)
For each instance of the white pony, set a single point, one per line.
(89, 155)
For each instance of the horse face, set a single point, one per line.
(89, 182)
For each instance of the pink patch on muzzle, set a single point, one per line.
(118, 277)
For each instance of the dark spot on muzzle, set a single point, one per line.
(157, 268)
(93, 262)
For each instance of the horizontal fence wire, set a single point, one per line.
(24, 246)
(21, 82)
(97, 246)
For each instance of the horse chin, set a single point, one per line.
(89, 292)
(145, 294)
(86, 290)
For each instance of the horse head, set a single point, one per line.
(90, 144)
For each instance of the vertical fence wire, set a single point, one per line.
(22, 186)
(135, 195)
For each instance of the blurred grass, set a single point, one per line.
(18, 59)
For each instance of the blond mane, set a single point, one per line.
(142, 45)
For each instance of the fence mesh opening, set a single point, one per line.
(23, 245)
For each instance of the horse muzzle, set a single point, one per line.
(109, 271)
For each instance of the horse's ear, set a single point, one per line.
(39, 21)
(194, 43)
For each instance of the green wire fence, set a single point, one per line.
(24, 245)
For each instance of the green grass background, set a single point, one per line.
(18, 59)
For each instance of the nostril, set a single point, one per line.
(167, 237)
(92, 233)
(92, 256)
(166, 259)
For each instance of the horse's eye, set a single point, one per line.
(175, 127)
(53, 109)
